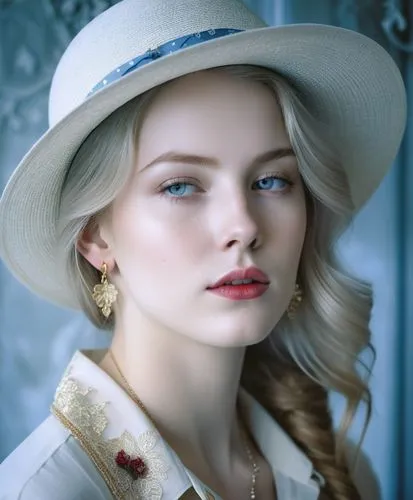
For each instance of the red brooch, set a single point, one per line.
(135, 466)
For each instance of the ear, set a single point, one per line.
(94, 244)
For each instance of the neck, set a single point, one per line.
(190, 391)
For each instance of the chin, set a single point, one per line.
(248, 334)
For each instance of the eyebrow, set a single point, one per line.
(192, 159)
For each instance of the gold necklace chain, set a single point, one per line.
(135, 398)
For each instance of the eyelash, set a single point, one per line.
(192, 182)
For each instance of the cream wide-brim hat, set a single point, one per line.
(353, 85)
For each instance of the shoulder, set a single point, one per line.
(50, 464)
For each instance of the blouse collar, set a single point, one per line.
(130, 453)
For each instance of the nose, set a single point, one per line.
(237, 225)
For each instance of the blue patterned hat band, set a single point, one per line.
(163, 50)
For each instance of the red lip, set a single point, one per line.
(251, 273)
(241, 292)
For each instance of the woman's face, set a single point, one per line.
(216, 189)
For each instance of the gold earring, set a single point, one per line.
(105, 293)
(295, 302)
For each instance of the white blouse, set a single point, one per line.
(74, 453)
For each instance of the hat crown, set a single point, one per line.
(129, 29)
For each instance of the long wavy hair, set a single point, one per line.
(292, 371)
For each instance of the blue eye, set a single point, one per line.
(181, 189)
(178, 189)
(271, 183)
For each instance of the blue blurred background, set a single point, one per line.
(37, 340)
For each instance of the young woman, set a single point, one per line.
(198, 170)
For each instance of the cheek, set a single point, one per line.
(150, 238)
(286, 229)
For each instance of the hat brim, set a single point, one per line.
(353, 83)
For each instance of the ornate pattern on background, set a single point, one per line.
(38, 40)
(365, 16)
(71, 15)
(394, 24)
(384, 21)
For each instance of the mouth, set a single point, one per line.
(241, 277)
(244, 290)
(241, 284)
(235, 283)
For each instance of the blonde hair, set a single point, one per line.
(290, 372)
